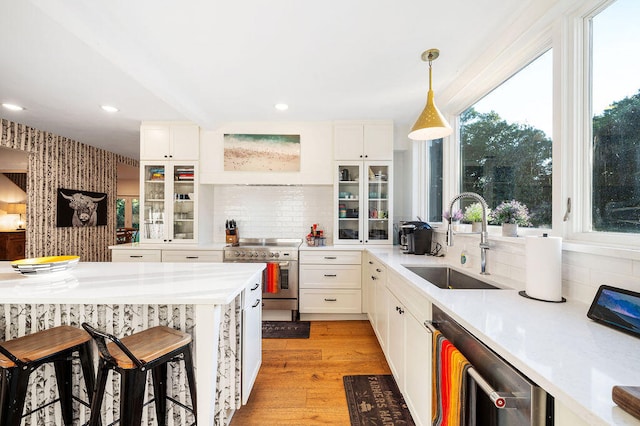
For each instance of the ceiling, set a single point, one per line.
(212, 62)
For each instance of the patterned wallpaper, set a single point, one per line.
(57, 162)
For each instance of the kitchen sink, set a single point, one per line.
(447, 278)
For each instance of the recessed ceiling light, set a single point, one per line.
(109, 108)
(13, 107)
(282, 107)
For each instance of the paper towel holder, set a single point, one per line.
(524, 294)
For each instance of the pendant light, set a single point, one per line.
(431, 124)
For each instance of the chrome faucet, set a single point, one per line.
(484, 235)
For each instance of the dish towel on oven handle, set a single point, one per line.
(449, 383)
(272, 281)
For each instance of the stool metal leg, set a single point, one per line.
(4, 395)
(18, 379)
(63, 378)
(132, 396)
(160, 392)
(88, 374)
(188, 364)
(98, 393)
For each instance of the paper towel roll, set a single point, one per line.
(544, 268)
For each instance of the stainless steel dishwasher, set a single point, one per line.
(498, 394)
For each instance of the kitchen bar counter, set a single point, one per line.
(200, 298)
(88, 282)
(573, 358)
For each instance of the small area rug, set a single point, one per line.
(285, 329)
(375, 400)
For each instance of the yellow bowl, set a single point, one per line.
(45, 264)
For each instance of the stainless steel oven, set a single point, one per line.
(281, 252)
(498, 394)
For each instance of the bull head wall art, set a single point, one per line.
(81, 208)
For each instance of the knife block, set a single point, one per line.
(232, 238)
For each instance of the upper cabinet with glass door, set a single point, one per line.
(378, 225)
(169, 202)
(363, 203)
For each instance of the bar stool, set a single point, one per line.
(133, 356)
(20, 356)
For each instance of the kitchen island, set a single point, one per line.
(202, 299)
(555, 345)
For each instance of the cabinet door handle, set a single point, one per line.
(193, 257)
(373, 277)
(256, 287)
(330, 257)
(330, 275)
(327, 299)
(255, 305)
(378, 270)
(136, 256)
(370, 263)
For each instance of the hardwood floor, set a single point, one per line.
(300, 381)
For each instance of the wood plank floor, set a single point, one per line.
(300, 381)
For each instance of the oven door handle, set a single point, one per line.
(284, 264)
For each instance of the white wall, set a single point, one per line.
(269, 211)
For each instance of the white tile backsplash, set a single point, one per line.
(582, 273)
(268, 211)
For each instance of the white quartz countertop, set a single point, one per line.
(130, 282)
(575, 359)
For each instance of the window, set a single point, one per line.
(434, 180)
(127, 213)
(505, 142)
(615, 123)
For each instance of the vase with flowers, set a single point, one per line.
(510, 214)
(473, 215)
(454, 217)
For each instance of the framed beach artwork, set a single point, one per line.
(261, 153)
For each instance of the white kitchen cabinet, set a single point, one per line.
(363, 141)
(136, 255)
(417, 368)
(251, 337)
(363, 202)
(330, 282)
(169, 202)
(192, 256)
(380, 313)
(169, 141)
(409, 346)
(374, 273)
(396, 338)
(330, 301)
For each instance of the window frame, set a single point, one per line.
(581, 229)
(568, 32)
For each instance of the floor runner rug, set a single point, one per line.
(285, 329)
(375, 400)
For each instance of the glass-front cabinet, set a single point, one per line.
(363, 203)
(169, 202)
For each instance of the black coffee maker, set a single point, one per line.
(415, 237)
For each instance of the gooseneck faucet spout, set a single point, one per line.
(484, 235)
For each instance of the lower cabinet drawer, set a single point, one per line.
(136, 256)
(191, 256)
(334, 276)
(314, 301)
